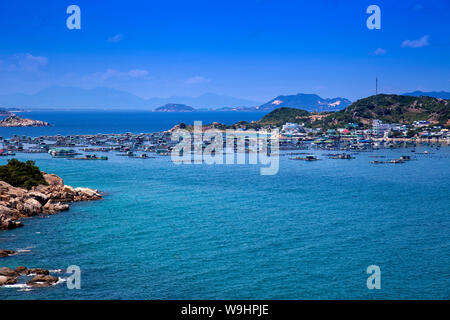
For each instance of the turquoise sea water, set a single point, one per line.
(166, 231)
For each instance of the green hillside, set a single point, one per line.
(280, 116)
(391, 109)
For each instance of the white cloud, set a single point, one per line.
(137, 73)
(116, 38)
(23, 62)
(422, 42)
(379, 51)
(197, 80)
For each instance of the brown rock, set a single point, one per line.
(53, 179)
(39, 196)
(7, 280)
(21, 270)
(7, 212)
(38, 271)
(85, 194)
(32, 207)
(8, 272)
(5, 253)
(53, 206)
(42, 281)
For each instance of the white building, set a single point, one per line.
(290, 127)
(379, 128)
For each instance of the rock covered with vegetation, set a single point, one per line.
(16, 121)
(25, 191)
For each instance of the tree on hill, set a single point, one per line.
(22, 174)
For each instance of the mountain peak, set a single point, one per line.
(308, 102)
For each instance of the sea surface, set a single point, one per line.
(101, 121)
(167, 231)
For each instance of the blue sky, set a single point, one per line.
(254, 49)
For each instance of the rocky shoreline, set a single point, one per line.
(16, 121)
(34, 277)
(18, 203)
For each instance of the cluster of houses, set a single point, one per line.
(418, 129)
(63, 146)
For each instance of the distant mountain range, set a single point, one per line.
(308, 102)
(173, 107)
(108, 98)
(73, 97)
(433, 94)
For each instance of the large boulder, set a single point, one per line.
(8, 272)
(9, 223)
(84, 194)
(7, 212)
(5, 253)
(38, 271)
(53, 206)
(32, 207)
(53, 179)
(41, 280)
(39, 196)
(21, 270)
(6, 188)
(7, 280)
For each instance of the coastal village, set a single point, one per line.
(292, 136)
(296, 131)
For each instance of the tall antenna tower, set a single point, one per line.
(376, 91)
(376, 86)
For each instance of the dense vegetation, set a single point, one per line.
(390, 109)
(280, 116)
(21, 174)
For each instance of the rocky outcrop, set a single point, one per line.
(21, 270)
(6, 253)
(16, 121)
(33, 277)
(8, 272)
(37, 271)
(7, 280)
(41, 280)
(17, 203)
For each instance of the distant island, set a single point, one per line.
(433, 94)
(16, 121)
(174, 107)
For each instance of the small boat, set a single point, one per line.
(396, 161)
(90, 157)
(63, 153)
(342, 156)
(307, 158)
